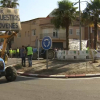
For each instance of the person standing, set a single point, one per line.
(17, 52)
(55, 52)
(10, 52)
(23, 55)
(29, 55)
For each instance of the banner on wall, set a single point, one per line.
(75, 44)
(9, 19)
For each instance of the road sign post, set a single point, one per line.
(47, 59)
(46, 44)
(38, 49)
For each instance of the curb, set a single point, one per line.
(41, 76)
(56, 76)
(59, 76)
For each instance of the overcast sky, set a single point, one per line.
(30, 9)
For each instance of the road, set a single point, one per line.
(25, 88)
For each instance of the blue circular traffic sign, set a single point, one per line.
(46, 42)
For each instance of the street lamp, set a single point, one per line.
(80, 20)
(80, 23)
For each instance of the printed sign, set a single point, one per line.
(46, 42)
(9, 19)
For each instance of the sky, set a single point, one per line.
(31, 9)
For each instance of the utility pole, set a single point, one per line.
(80, 24)
(89, 37)
(80, 20)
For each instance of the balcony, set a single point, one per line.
(60, 36)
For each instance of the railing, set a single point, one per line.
(57, 36)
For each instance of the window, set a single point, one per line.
(77, 32)
(19, 35)
(70, 31)
(45, 31)
(34, 32)
(55, 33)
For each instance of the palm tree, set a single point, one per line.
(63, 17)
(9, 4)
(91, 15)
(3, 3)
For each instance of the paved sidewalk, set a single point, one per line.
(13, 61)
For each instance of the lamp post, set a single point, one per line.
(80, 20)
(80, 24)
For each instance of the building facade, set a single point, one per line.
(36, 29)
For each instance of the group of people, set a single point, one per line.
(24, 52)
(13, 53)
(28, 51)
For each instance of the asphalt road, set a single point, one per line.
(50, 89)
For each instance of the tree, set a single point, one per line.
(3, 3)
(91, 15)
(64, 16)
(9, 4)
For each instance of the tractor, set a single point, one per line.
(9, 72)
(43, 54)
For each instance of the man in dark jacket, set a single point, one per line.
(23, 55)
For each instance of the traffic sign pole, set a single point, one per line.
(47, 58)
(46, 44)
(38, 49)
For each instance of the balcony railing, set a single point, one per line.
(56, 36)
